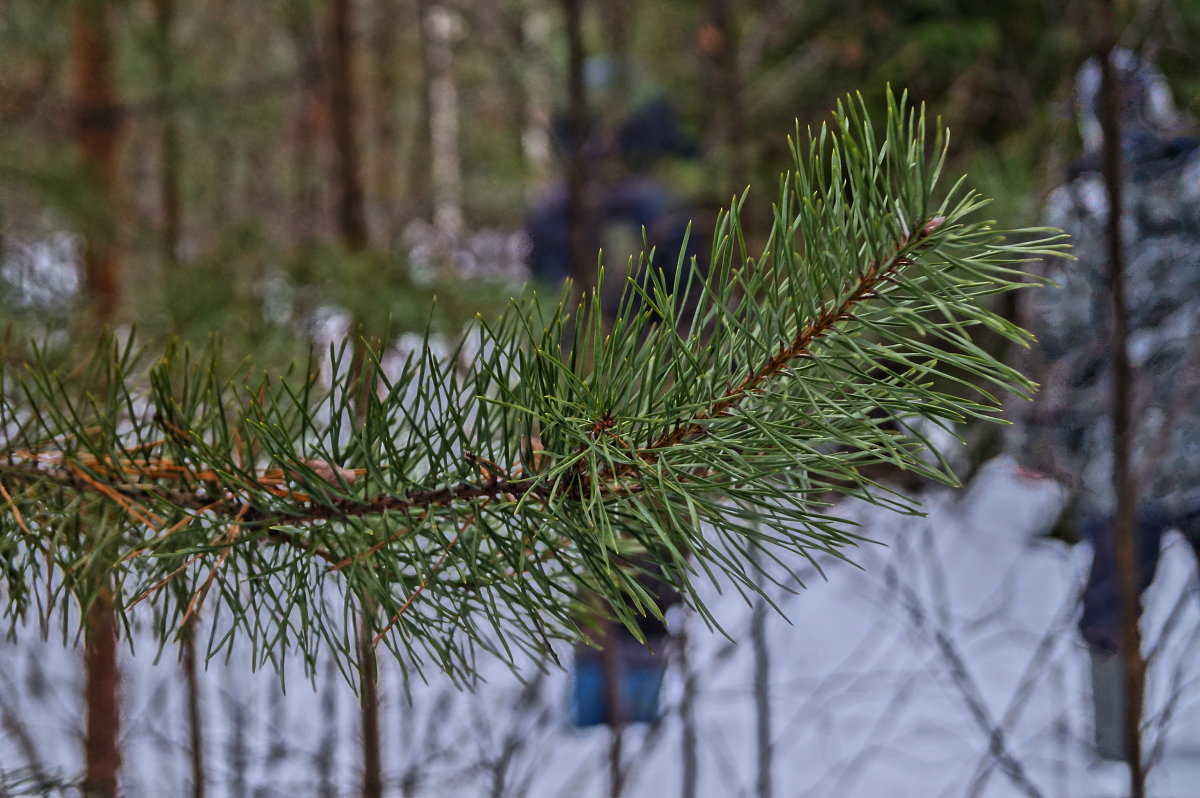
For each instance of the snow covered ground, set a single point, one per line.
(948, 666)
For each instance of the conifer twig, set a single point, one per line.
(700, 432)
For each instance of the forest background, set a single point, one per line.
(279, 172)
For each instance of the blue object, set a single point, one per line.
(639, 682)
(1099, 624)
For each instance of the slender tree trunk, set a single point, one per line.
(325, 762)
(1125, 525)
(195, 727)
(97, 133)
(368, 669)
(310, 120)
(617, 15)
(352, 229)
(343, 110)
(536, 86)
(611, 665)
(237, 746)
(762, 697)
(441, 28)
(164, 12)
(722, 50)
(689, 743)
(102, 754)
(419, 177)
(579, 218)
(386, 188)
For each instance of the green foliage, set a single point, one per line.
(470, 497)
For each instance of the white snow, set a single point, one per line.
(948, 666)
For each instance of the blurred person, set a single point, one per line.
(629, 207)
(636, 666)
(1067, 433)
(617, 678)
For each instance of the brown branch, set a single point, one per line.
(869, 283)
(218, 498)
(16, 511)
(1125, 527)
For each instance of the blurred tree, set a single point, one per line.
(169, 149)
(352, 229)
(440, 27)
(580, 213)
(98, 120)
(385, 26)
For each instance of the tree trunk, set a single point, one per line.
(441, 28)
(762, 696)
(352, 229)
(617, 25)
(98, 121)
(579, 217)
(325, 760)
(689, 742)
(172, 223)
(102, 754)
(611, 664)
(1125, 524)
(195, 727)
(351, 217)
(419, 178)
(386, 188)
(368, 669)
(536, 146)
(97, 134)
(310, 120)
(720, 44)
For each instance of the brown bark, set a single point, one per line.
(762, 694)
(1125, 524)
(195, 729)
(419, 173)
(611, 664)
(617, 20)
(579, 217)
(368, 671)
(386, 186)
(440, 24)
(172, 222)
(719, 42)
(352, 229)
(102, 754)
(309, 124)
(689, 742)
(98, 122)
(351, 218)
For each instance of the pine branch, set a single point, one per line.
(702, 433)
(863, 290)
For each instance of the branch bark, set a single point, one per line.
(579, 217)
(169, 194)
(343, 110)
(98, 122)
(1125, 524)
(102, 753)
(195, 725)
